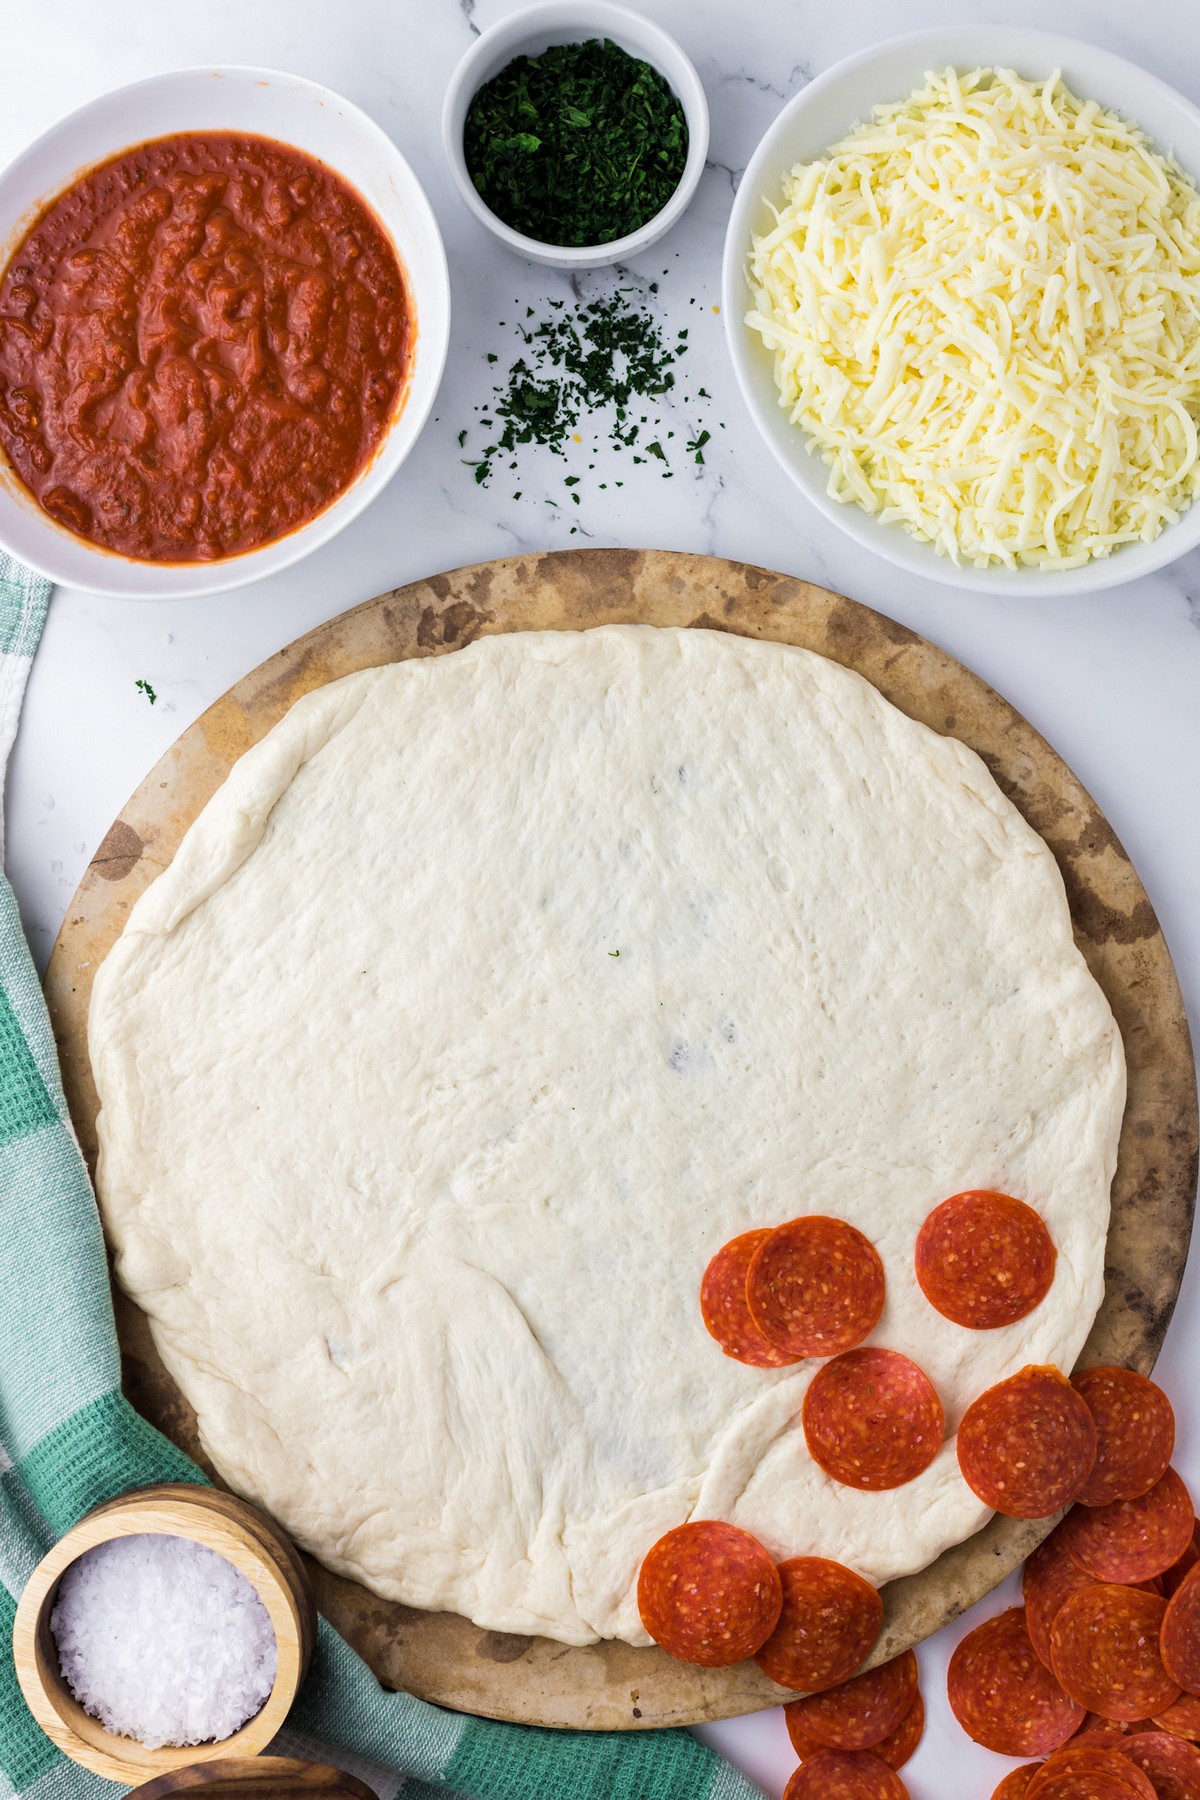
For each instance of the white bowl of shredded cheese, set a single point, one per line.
(969, 328)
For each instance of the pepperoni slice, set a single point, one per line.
(1027, 1445)
(1100, 1775)
(725, 1310)
(1174, 1577)
(1090, 1763)
(896, 1749)
(1015, 1785)
(1182, 1719)
(1172, 1765)
(815, 1287)
(1104, 1649)
(1089, 1759)
(872, 1419)
(1049, 1576)
(1104, 1783)
(709, 1593)
(1085, 1784)
(860, 1713)
(845, 1775)
(827, 1628)
(984, 1260)
(1181, 1634)
(1135, 1434)
(1132, 1540)
(1003, 1696)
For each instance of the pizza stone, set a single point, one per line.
(489, 997)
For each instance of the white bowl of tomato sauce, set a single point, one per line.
(224, 315)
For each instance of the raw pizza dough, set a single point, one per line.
(485, 1001)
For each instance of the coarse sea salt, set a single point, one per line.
(163, 1640)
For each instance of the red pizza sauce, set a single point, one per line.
(202, 342)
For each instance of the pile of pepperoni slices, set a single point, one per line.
(1098, 1672)
(710, 1593)
(851, 1740)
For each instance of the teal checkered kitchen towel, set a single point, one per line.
(69, 1439)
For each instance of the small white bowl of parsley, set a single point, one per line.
(576, 132)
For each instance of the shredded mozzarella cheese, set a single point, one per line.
(984, 308)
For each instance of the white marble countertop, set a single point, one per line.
(1111, 681)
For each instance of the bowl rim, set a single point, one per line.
(892, 543)
(321, 1780)
(231, 573)
(693, 100)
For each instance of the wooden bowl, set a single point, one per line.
(235, 1530)
(257, 1778)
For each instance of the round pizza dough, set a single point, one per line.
(486, 1000)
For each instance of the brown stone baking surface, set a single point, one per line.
(441, 1656)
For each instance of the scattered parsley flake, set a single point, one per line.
(579, 363)
(145, 688)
